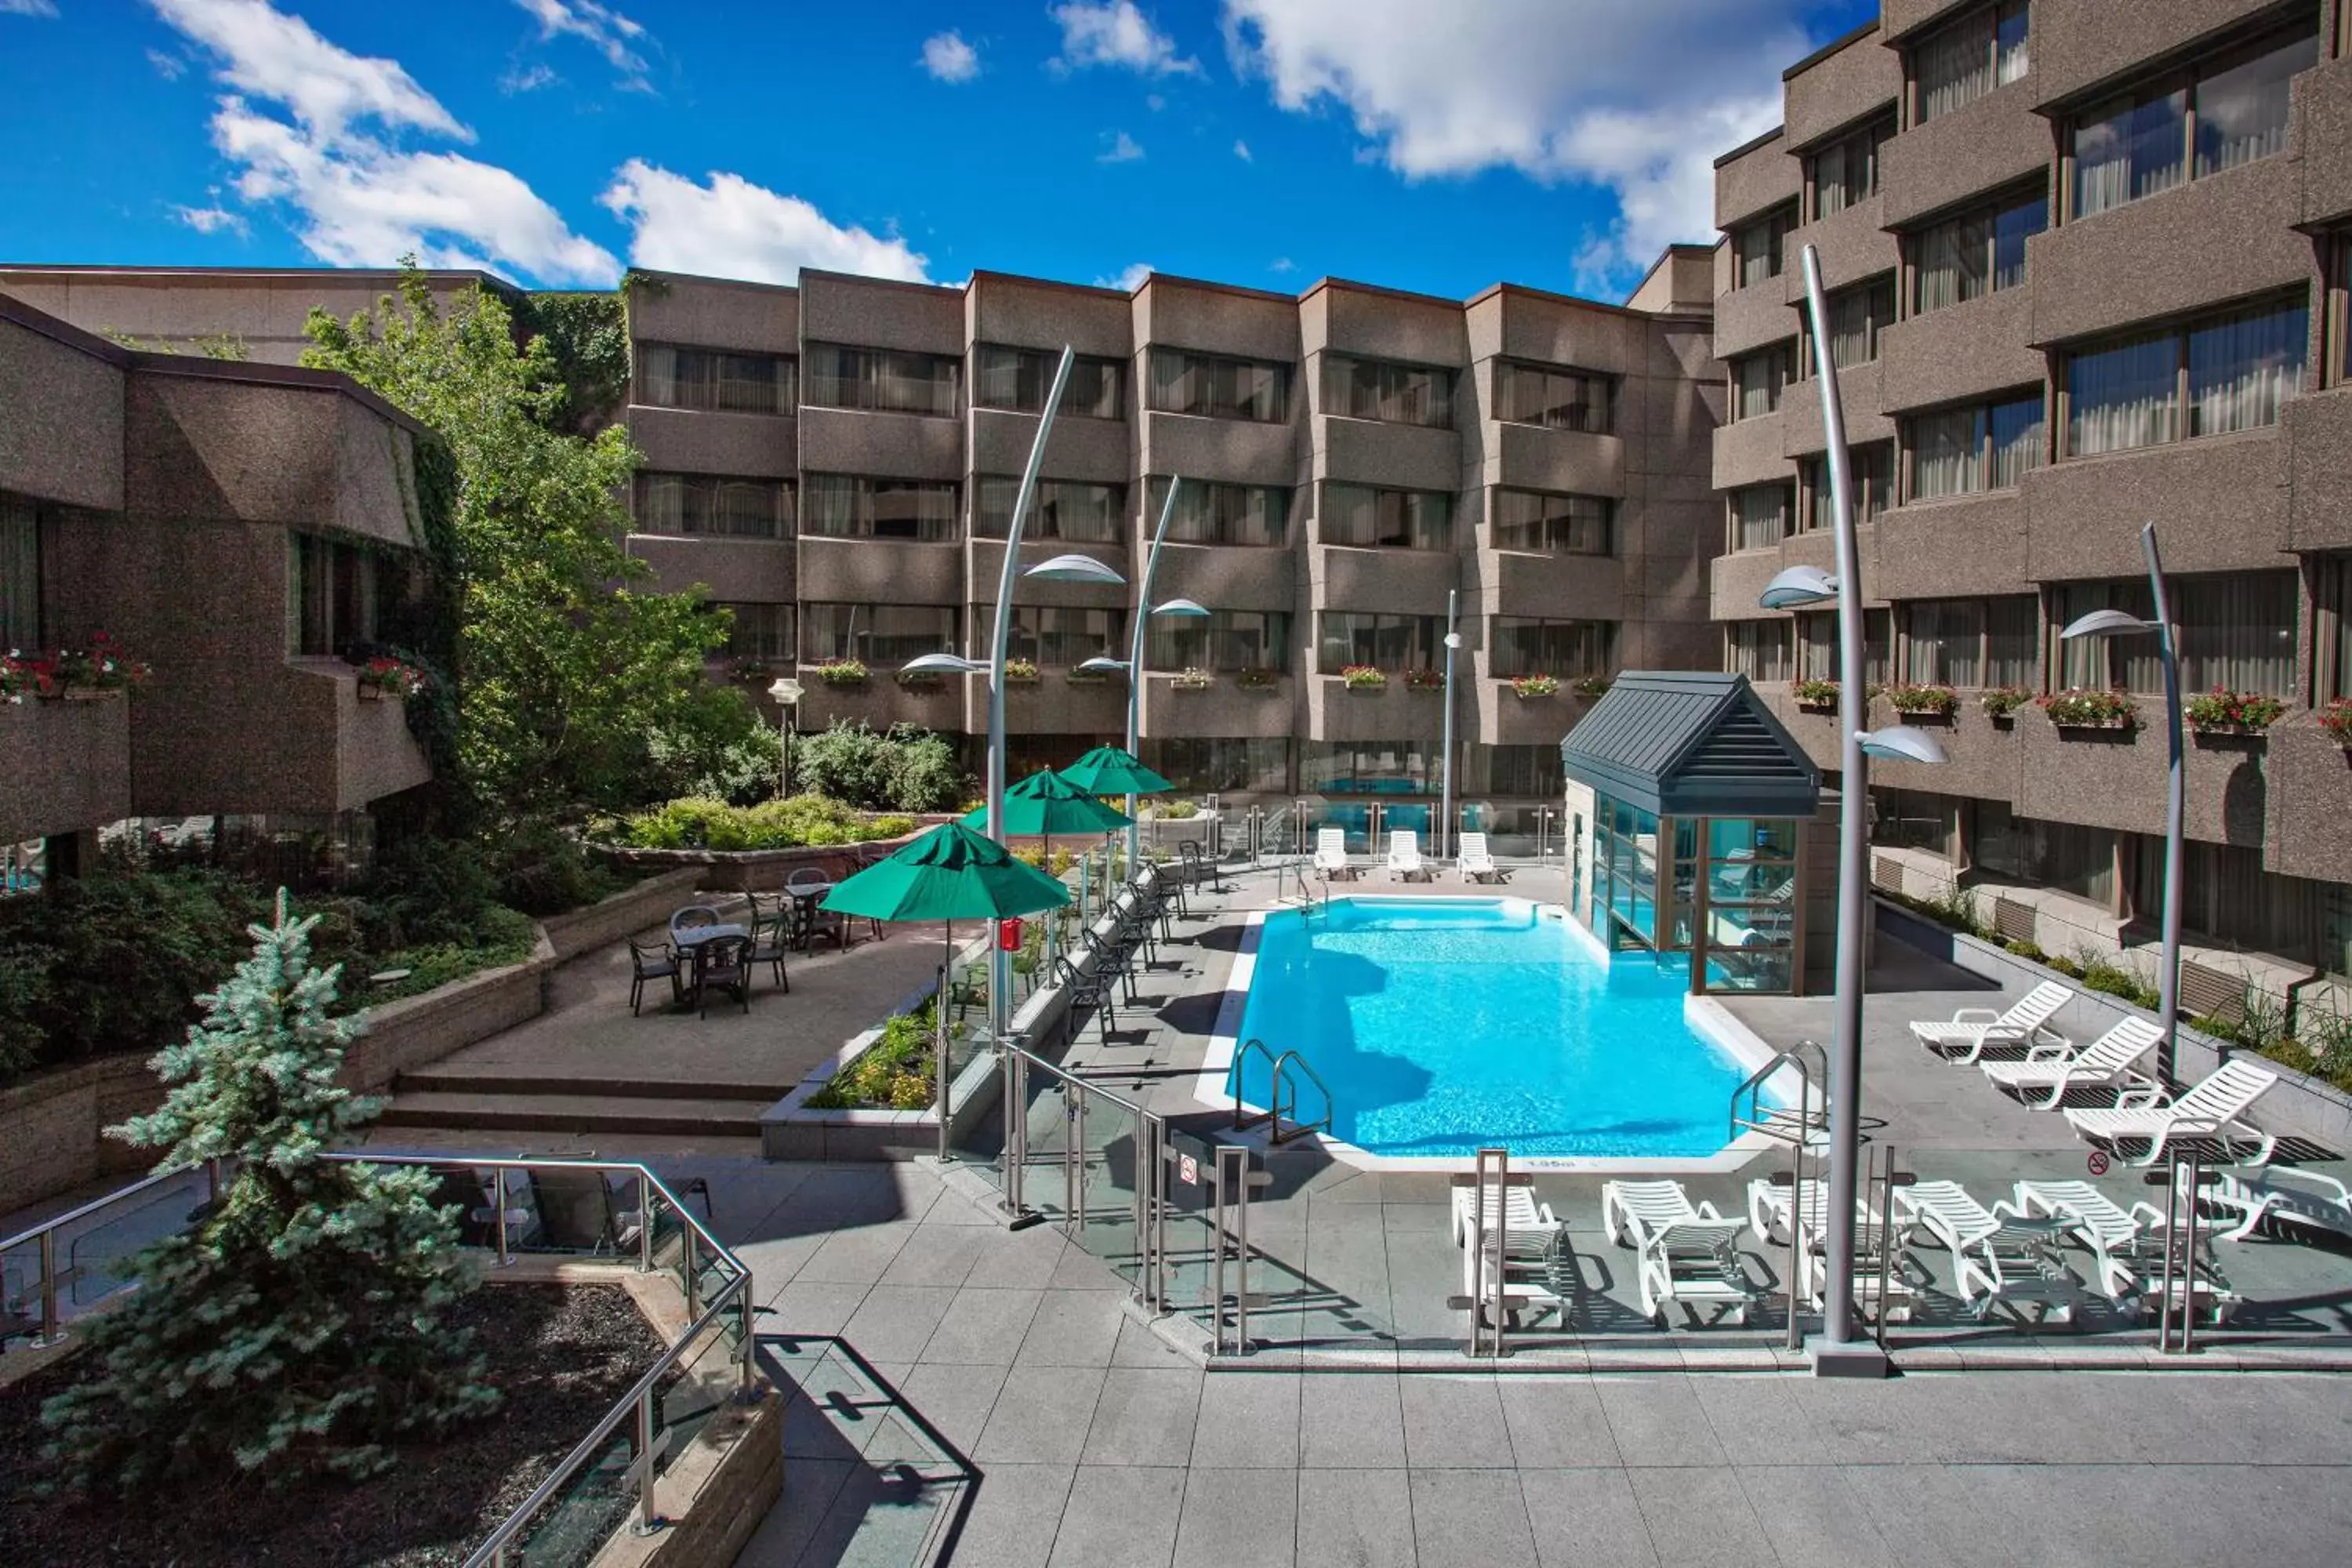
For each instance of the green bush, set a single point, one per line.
(902, 769)
(2112, 980)
(702, 823)
(896, 1072)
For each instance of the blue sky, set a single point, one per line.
(1429, 146)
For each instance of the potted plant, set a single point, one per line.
(2222, 711)
(2086, 708)
(1593, 685)
(15, 676)
(1815, 694)
(2001, 704)
(1192, 677)
(1425, 680)
(842, 671)
(1525, 686)
(2337, 720)
(1258, 679)
(1019, 672)
(1364, 678)
(384, 676)
(1916, 700)
(1077, 676)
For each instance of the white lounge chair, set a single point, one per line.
(2215, 1108)
(1476, 864)
(1527, 1226)
(1331, 854)
(1768, 1217)
(2107, 1060)
(1534, 1288)
(1685, 1254)
(2127, 1244)
(1405, 857)
(1998, 1255)
(2289, 1197)
(1963, 1036)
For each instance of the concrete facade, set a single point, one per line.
(2267, 498)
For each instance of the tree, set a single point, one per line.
(301, 1325)
(566, 671)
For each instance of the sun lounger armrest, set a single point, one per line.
(1706, 1209)
(1974, 1016)
(2339, 1194)
(2047, 1052)
(2005, 1208)
(2151, 1098)
(2148, 1213)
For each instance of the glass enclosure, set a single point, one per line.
(1725, 892)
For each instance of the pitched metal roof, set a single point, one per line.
(1691, 743)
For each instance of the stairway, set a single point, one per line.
(454, 1099)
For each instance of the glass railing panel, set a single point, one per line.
(99, 1252)
(574, 1524)
(1110, 1171)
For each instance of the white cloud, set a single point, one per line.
(171, 67)
(947, 57)
(730, 227)
(357, 199)
(1282, 264)
(1130, 278)
(1637, 100)
(213, 219)
(1116, 33)
(1241, 150)
(27, 8)
(1123, 149)
(528, 78)
(606, 31)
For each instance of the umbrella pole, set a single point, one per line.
(940, 1032)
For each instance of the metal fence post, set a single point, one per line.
(498, 1203)
(649, 1520)
(647, 1197)
(50, 1332)
(691, 1274)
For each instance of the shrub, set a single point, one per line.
(1258, 679)
(2087, 708)
(1909, 696)
(805, 819)
(1534, 685)
(1815, 693)
(1593, 685)
(2100, 973)
(902, 769)
(1425, 680)
(2003, 701)
(1363, 678)
(2222, 708)
(898, 1071)
(1019, 672)
(2337, 720)
(393, 678)
(842, 671)
(1174, 810)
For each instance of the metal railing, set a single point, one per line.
(90, 1237)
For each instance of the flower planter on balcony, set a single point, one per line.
(2091, 726)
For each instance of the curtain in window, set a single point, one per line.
(1557, 399)
(2335, 593)
(1756, 381)
(1956, 66)
(2018, 444)
(1540, 521)
(1952, 262)
(1760, 650)
(1225, 639)
(2011, 227)
(2237, 630)
(1568, 649)
(1059, 637)
(1062, 508)
(2012, 641)
(657, 375)
(2122, 397)
(2010, 60)
(1756, 248)
(2242, 369)
(1362, 516)
(1404, 394)
(1223, 514)
(1759, 516)
(2242, 111)
(1945, 455)
(1393, 643)
(1856, 317)
(20, 575)
(2130, 149)
(759, 631)
(1944, 642)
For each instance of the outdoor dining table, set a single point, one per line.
(692, 937)
(805, 897)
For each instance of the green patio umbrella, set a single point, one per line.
(1107, 770)
(1045, 804)
(949, 874)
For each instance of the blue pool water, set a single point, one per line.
(1443, 1025)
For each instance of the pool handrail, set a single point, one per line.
(1297, 1128)
(1278, 1106)
(1805, 1124)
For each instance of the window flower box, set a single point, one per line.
(1192, 678)
(2222, 711)
(2337, 720)
(85, 674)
(1524, 686)
(1593, 686)
(1258, 679)
(1425, 680)
(2086, 709)
(920, 680)
(1819, 696)
(381, 678)
(1364, 678)
(2001, 704)
(842, 671)
(1019, 672)
(1087, 676)
(1914, 700)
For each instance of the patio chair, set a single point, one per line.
(1528, 1226)
(693, 917)
(1331, 855)
(1964, 1036)
(2109, 1060)
(2281, 1199)
(2129, 1245)
(576, 1209)
(1405, 857)
(1476, 864)
(721, 963)
(1086, 990)
(2215, 1109)
(2000, 1256)
(1113, 960)
(1684, 1255)
(1769, 1215)
(770, 939)
(648, 963)
(1538, 1287)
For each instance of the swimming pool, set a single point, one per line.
(1442, 1025)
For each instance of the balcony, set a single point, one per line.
(296, 737)
(735, 570)
(748, 446)
(1223, 708)
(64, 765)
(1394, 711)
(2307, 831)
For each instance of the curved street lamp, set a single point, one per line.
(786, 692)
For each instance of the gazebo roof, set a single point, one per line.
(1691, 743)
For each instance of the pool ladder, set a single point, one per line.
(1280, 1104)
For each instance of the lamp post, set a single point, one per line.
(1841, 1352)
(1445, 761)
(1144, 610)
(2116, 623)
(786, 693)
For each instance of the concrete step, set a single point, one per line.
(449, 1080)
(580, 1113)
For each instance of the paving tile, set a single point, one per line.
(1658, 1420)
(982, 1326)
(1141, 1345)
(855, 1257)
(1248, 1420)
(1144, 1416)
(1074, 1328)
(1237, 1518)
(895, 1321)
(1041, 1416)
(1078, 1269)
(810, 1486)
(1759, 1420)
(774, 1262)
(1582, 1518)
(813, 1307)
(1470, 1519)
(938, 1254)
(1698, 1517)
(954, 1400)
(1861, 1423)
(1454, 1421)
(882, 1517)
(1355, 1519)
(1120, 1516)
(1011, 1515)
(1556, 1421)
(1021, 1260)
(1351, 1420)
(1929, 1517)
(1811, 1515)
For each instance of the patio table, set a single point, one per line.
(692, 937)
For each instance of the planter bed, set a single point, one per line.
(561, 1353)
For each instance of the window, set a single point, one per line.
(2333, 591)
(1760, 650)
(1976, 253)
(703, 503)
(848, 506)
(2224, 113)
(1365, 767)
(1759, 379)
(1756, 247)
(1965, 451)
(1514, 770)
(1857, 315)
(1873, 484)
(880, 636)
(709, 381)
(1550, 523)
(1392, 643)
(888, 381)
(1062, 508)
(1220, 764)
(1224, 639)
(1396, 519)
(1759, 516)
(1377, 389)
(2070, 858)
(1569, 649)
(1018, 378)
(1217, 388)
(759, 631)
(1845, 173)
(2335, 363)
(1972, 642)
(330, 595)
(1223, 514)
(2237, 630)
(1817, 645)
(1961, 63)
(2226, 896)
(1913, 819)
(2229, 373)
(20, 575)
(1555, 398)
(1061, 637)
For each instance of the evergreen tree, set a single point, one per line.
(302, 1325)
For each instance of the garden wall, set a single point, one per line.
(758, 870)
(631, 910)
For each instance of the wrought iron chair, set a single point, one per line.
(649, 963)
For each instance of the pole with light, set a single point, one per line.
(2119, 623)
(1445, 763)
(1060, 569)
(786, 692)
(1841, 1352)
